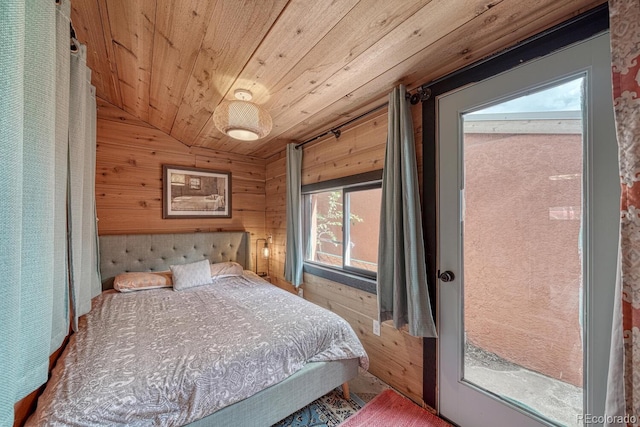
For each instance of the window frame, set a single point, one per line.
(346, 232)
(348, 275)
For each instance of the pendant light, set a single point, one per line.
(242, 119)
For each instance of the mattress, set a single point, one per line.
(165, 357)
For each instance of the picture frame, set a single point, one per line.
(195, 193)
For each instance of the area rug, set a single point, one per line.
(390, 409)
(327, 411)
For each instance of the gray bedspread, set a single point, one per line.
(163, 357)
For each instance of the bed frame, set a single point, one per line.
(156, 252)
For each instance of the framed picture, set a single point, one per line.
(195, 193)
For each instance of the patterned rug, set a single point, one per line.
(327, 411)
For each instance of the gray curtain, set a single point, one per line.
(294, 256)
(85, 283)
(402, 274)
(33, 303)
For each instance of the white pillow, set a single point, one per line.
(225, 269)
(187, 276)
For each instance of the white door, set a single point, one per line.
(528, 227)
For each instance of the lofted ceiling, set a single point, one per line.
(312, 63)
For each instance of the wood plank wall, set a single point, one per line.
(396, 357)
(129, 158)
(129, 162)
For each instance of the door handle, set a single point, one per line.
(446, 276)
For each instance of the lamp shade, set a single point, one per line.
(241, 119)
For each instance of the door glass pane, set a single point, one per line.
(364, 229)
(522, 251)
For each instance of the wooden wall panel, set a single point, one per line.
(129, 199)
(110, 112)
(396, 357)
(129, 160)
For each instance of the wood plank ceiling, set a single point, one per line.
(311, 63)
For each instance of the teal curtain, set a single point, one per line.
(28, 154)
(60, 318)
(294, 256)
(35, 121)
(403, 294)
(85, 283)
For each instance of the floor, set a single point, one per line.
(366, 386)
(557, 400)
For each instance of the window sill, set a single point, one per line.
(352, 280)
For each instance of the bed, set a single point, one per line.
(227, 354)
(212, 202)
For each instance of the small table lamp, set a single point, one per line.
(265, 252)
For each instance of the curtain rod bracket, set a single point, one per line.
(421, 95)
(72, 36)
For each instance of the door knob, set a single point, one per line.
(446, 276)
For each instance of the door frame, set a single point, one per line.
(574, 30)
(590, 57)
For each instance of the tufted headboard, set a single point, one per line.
(156, 252)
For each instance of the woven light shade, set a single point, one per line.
(241, 119)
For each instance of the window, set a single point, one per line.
(194, 183)
(342, 220)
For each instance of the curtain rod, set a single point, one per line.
(421, 95)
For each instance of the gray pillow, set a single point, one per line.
(187, 276)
